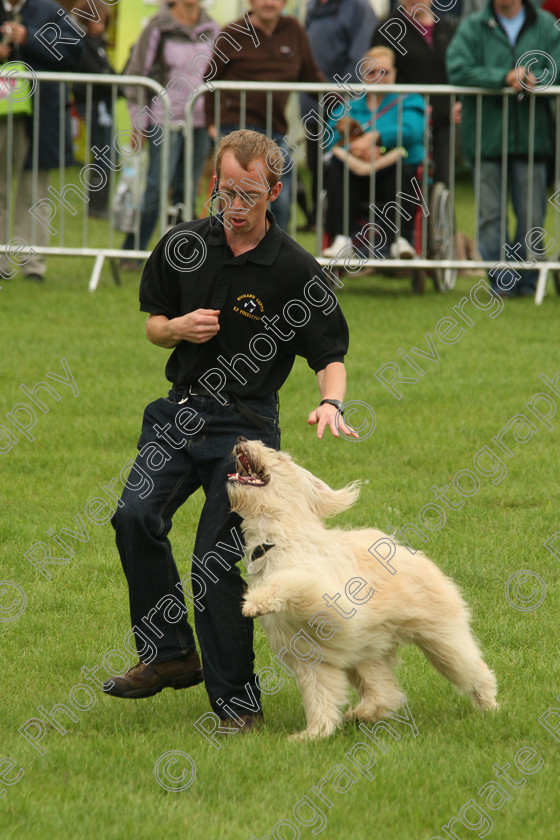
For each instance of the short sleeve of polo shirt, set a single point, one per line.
(159, 293)
(321, 331)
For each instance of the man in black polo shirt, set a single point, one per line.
(237, 299)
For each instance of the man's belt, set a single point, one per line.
(200, 391)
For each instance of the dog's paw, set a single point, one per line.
(316, 731)
(251, 609)
(366, 713)
(304, 735)
(260, 602)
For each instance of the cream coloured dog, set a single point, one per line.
(333, 612)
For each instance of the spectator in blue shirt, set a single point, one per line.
(388, 121)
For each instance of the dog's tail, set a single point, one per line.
(451, 648)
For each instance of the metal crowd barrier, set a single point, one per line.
(447, 263)
(97, 240)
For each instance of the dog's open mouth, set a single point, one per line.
(247, 471)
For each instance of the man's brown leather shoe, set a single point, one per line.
(146, 680)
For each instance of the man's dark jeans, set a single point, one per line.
(191, 445)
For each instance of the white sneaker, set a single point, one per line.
(401, 249)
(339, 245)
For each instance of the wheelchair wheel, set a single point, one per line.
(418, 282)
(441, 236)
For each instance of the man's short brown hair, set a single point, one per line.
(248, 146)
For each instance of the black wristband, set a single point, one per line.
(337, 404)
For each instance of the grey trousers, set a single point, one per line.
(14, 205)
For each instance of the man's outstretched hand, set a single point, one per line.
(325, 415)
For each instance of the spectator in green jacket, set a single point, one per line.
(508, 44)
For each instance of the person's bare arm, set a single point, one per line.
(332, 385)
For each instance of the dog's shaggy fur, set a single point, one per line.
(283, 504)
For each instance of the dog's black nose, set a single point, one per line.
(241, 439)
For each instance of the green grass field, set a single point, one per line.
(96, 778)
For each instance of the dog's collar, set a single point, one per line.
(260, 551)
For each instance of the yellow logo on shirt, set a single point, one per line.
(250, 306)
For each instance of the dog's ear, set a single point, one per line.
(328, 502)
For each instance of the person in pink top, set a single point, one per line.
(173, 49)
